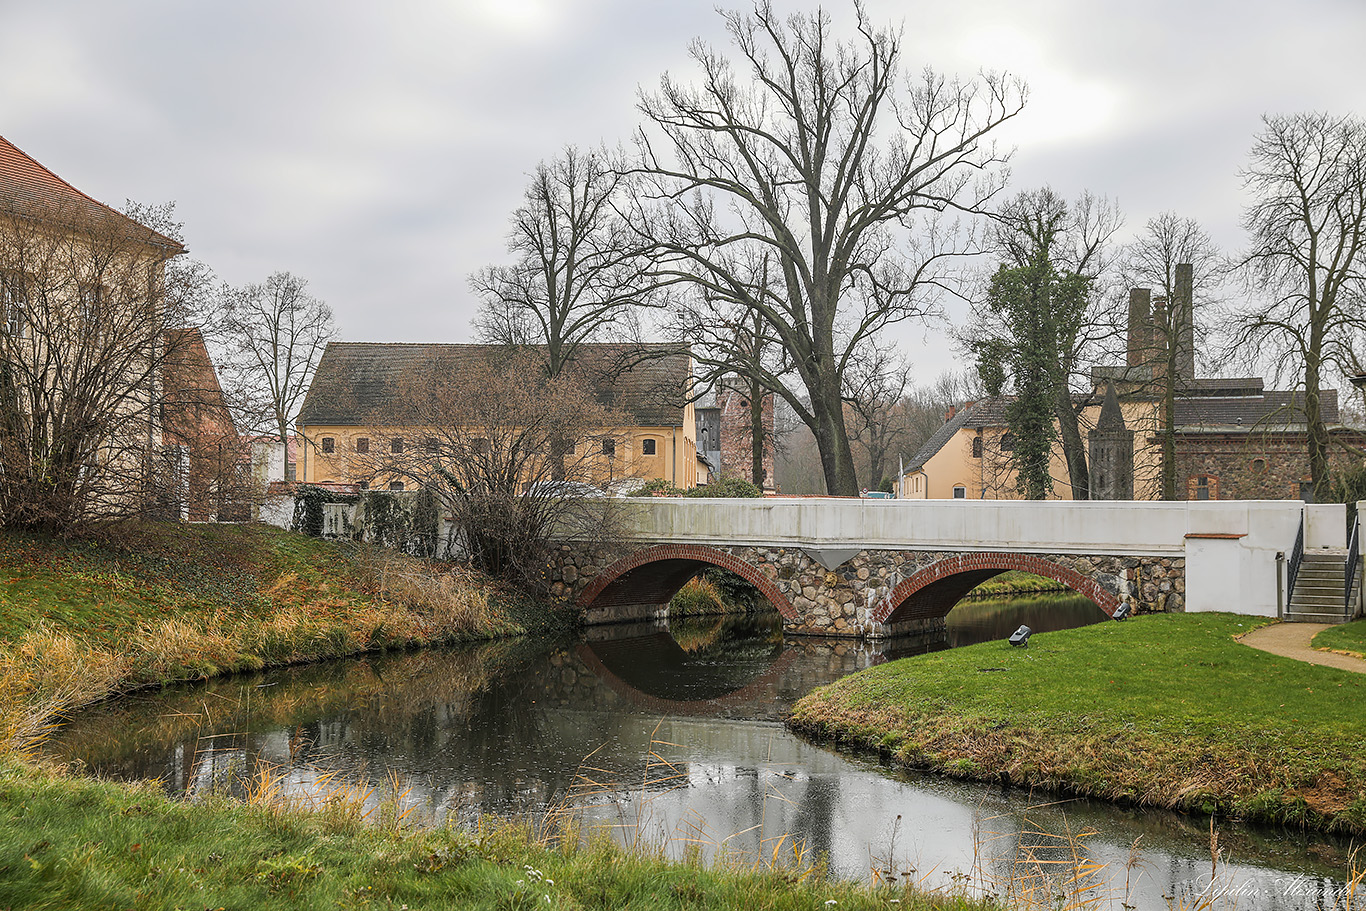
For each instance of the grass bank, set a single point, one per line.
(75, 843)
(1165, 710)
(1348, 638)
(1016, 582)
(161, 603)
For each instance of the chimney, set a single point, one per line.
(948, 415)
(1183, 317)
(1140, 327)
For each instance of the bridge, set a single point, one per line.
(881, 568)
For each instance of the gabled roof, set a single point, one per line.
(357, 383)
(941, 436)
(31, 190)
(1271, 410)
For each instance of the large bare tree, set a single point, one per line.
(1306, 176)
(822, 154)
(86, 334)
(578, 275)
(273, 332)
(1157, 258)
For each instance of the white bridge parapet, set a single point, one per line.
(1230, 546)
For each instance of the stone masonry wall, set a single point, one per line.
(855, 598)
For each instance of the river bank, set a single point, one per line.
(1163, 711)
(81, 621)
(84, 620)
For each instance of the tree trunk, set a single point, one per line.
(1317, 431)
(832, 438)
(1073, 448)
(758, 433)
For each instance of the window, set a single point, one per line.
(609, 448)
(1007, 442)
(960, 492)
(479, 446)
(90, 303)
(12, 303)
(1202, 487)
(976, 447)
(329, 444)
(363, 445)
(1258, 465)
(395, 445)
(647, 447)
(395, 485)
(363, 485)
(292, 471)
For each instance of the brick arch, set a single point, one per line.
(942, 584)
(683, 560)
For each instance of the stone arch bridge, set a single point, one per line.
(880, 568)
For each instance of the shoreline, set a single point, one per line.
(1240, 756)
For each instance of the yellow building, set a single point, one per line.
(358, 417)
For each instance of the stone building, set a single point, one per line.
(1234, 439)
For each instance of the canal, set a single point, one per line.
(671, 735)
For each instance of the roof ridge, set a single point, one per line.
(48, 172)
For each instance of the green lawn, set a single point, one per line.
(1348, 637)
(1164, 710)
(69, 843)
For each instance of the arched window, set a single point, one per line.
(1007, 442)
(976, 447)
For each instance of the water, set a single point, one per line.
(680, 728)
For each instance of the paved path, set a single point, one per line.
(1291, 640)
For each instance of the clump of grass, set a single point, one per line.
(1346, 638)
(698, 596)
(1166, 710)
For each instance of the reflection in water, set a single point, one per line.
(505, 728)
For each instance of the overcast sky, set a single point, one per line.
(378, 148)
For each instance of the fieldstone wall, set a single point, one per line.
(874, 594)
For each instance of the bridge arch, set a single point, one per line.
(933, 591)
(655, 574)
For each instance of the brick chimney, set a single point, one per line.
(1183, 315)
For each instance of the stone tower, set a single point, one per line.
(1111, 447)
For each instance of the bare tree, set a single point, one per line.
(274, 333)
(1158, 258)
(817, 153)
(485, 452)
(578, 274)
(85, 337)
(877, 388)
(1307, 222)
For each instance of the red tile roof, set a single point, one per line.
(28, 188)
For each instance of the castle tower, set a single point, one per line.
(1111, 449)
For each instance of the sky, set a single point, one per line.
(378, 149)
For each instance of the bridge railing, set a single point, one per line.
(1350, 571)
(1130, 527)
(1293, 569)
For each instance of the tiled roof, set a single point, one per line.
(359, 382)
(941, 437)
(29, 189)
(1271, 409)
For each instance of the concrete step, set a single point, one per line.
(1308, 617)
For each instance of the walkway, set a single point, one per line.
(1291, 640)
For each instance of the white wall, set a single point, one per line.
(1230, 546)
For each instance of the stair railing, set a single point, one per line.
(1350, 571)
(1293, 570)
